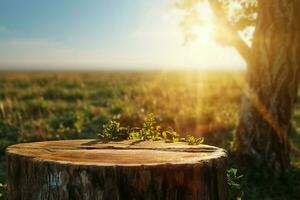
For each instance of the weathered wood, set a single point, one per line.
(87, 169)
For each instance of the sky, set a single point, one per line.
(103, 34)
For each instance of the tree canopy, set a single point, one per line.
(234, 21)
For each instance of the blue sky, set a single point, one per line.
(97, 34)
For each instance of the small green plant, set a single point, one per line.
(3, 191)
(170, 136)
(134, 134)
(150, 131)
(233, 180)
(192, 140)
(113, 131)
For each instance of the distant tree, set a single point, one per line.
(273, 60)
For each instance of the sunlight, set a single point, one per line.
(233, 9)
(205, 12)
(194, 44)
(204, 34)
(206, 16)
(198, 23)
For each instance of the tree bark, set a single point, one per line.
(271, 89)
(86, 169)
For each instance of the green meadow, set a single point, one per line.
(37, 106)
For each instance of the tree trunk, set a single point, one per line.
(85, 169)
(271, 89)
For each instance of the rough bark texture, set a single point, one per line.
(271, 90)
(85, 169)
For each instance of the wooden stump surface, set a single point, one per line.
(93, 169)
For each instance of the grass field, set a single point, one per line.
(37, 106)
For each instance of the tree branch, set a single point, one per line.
(237, 41)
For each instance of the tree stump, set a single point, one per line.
(93, 169)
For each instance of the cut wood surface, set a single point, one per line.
(93, 169)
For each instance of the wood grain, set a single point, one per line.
(93, 169)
